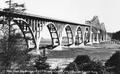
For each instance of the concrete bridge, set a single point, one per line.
(62, 33)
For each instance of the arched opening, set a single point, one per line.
(27, 33)
(67, 36)
(14, 30)
(78, 37)
(101, 35)
(54, 34)
(86, 36)
(49, 36)
(94, 35)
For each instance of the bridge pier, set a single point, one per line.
(91, 38)
(98, 38)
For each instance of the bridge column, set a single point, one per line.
(60, 38)
(74, 40)
(91, 38)
(105, 36)
(94, 37)
(86, 36)
(98, 39)
(102, 37)
(37, 34)
(83, 37)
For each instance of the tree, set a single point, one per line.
(116, 35)
(41, 64)
(113, 64)
(14, 7)
(14, 53)
(13, 49)
(82, 59)
(84, 63)
(77, 63)
(93, 66)
(71, 67)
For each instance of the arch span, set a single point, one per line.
(86, 36)
(52, 36)
(78, 36)
(20, 26)
(27, 32)
(67, 40)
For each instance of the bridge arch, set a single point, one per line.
(78, 36)
(67, 31)
(53, 34)
(22, 27)
(27, 33)
(87, 35)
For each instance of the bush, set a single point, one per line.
(41, 64)
(13, 51)
(82, 59)
(84, 63)
(116, 35)
(114, 62)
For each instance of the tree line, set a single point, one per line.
(116, 35)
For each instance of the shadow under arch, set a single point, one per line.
(78, 36)
(53, 34)
(68, 31)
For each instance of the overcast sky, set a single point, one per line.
(77, 11)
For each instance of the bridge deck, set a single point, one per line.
(31, 16)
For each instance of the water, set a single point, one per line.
(68, 54)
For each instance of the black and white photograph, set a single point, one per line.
(59, 36)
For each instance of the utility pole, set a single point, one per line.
(9, 21)
(11, 9)
(10, 2)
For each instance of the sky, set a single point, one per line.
(77, 11)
